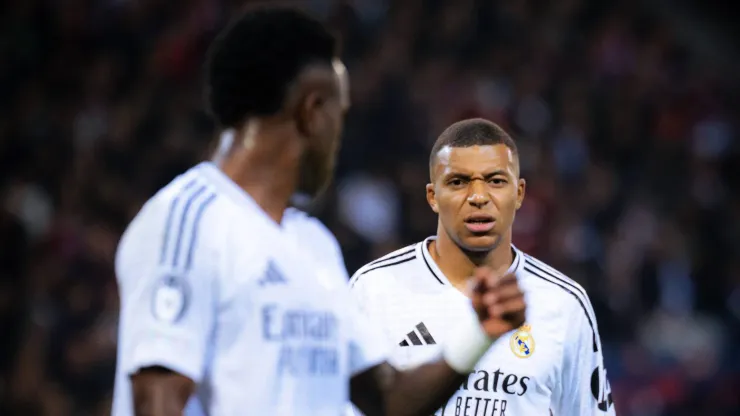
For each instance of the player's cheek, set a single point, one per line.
(511, 203)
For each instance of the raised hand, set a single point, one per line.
(498, 300)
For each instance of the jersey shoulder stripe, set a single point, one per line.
(170, 218)
(395, 258)
(546, 268)
(182, 223)
(548, 274)
(196, 226)
(393, 255)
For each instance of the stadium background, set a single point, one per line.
(626, 114)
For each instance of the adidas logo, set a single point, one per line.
(413, 336)
(272, 276)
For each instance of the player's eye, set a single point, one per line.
(457, 182)
(498, 181)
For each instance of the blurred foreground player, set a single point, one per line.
(234, 304)
(553, 363)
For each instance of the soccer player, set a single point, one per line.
(550, 365)
(234, 304)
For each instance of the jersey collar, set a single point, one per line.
(225, 185)
(422, 251)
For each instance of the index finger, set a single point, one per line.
(509, 277)
(496, 281)
(476, 284)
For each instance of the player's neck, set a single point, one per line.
(267, 171)
(458, 265)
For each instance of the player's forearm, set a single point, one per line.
(160, 392)
(158, 405)
(382, 390)
(422, 390)
(385, 391)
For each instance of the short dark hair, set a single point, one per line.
(254, 59)
(472, 132)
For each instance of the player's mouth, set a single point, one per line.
(479, 223)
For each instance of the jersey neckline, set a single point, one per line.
(422, 250)
(224, 184)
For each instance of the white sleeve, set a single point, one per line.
(584, 388)
(167, 301)
(360, 306)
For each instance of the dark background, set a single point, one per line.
(626, 114)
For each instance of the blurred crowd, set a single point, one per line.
(627, 136)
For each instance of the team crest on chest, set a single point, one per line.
(522, 342)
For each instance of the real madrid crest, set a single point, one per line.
(522, 342)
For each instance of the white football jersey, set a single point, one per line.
(256, 313)
(551, 365)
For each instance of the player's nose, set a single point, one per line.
(478, 196)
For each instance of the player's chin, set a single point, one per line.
(480, 242)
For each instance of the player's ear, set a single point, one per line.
(307, 112)
(307, 101)
(432, 198)
(521, 190)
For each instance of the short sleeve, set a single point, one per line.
(168, 292)
(584, 388)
